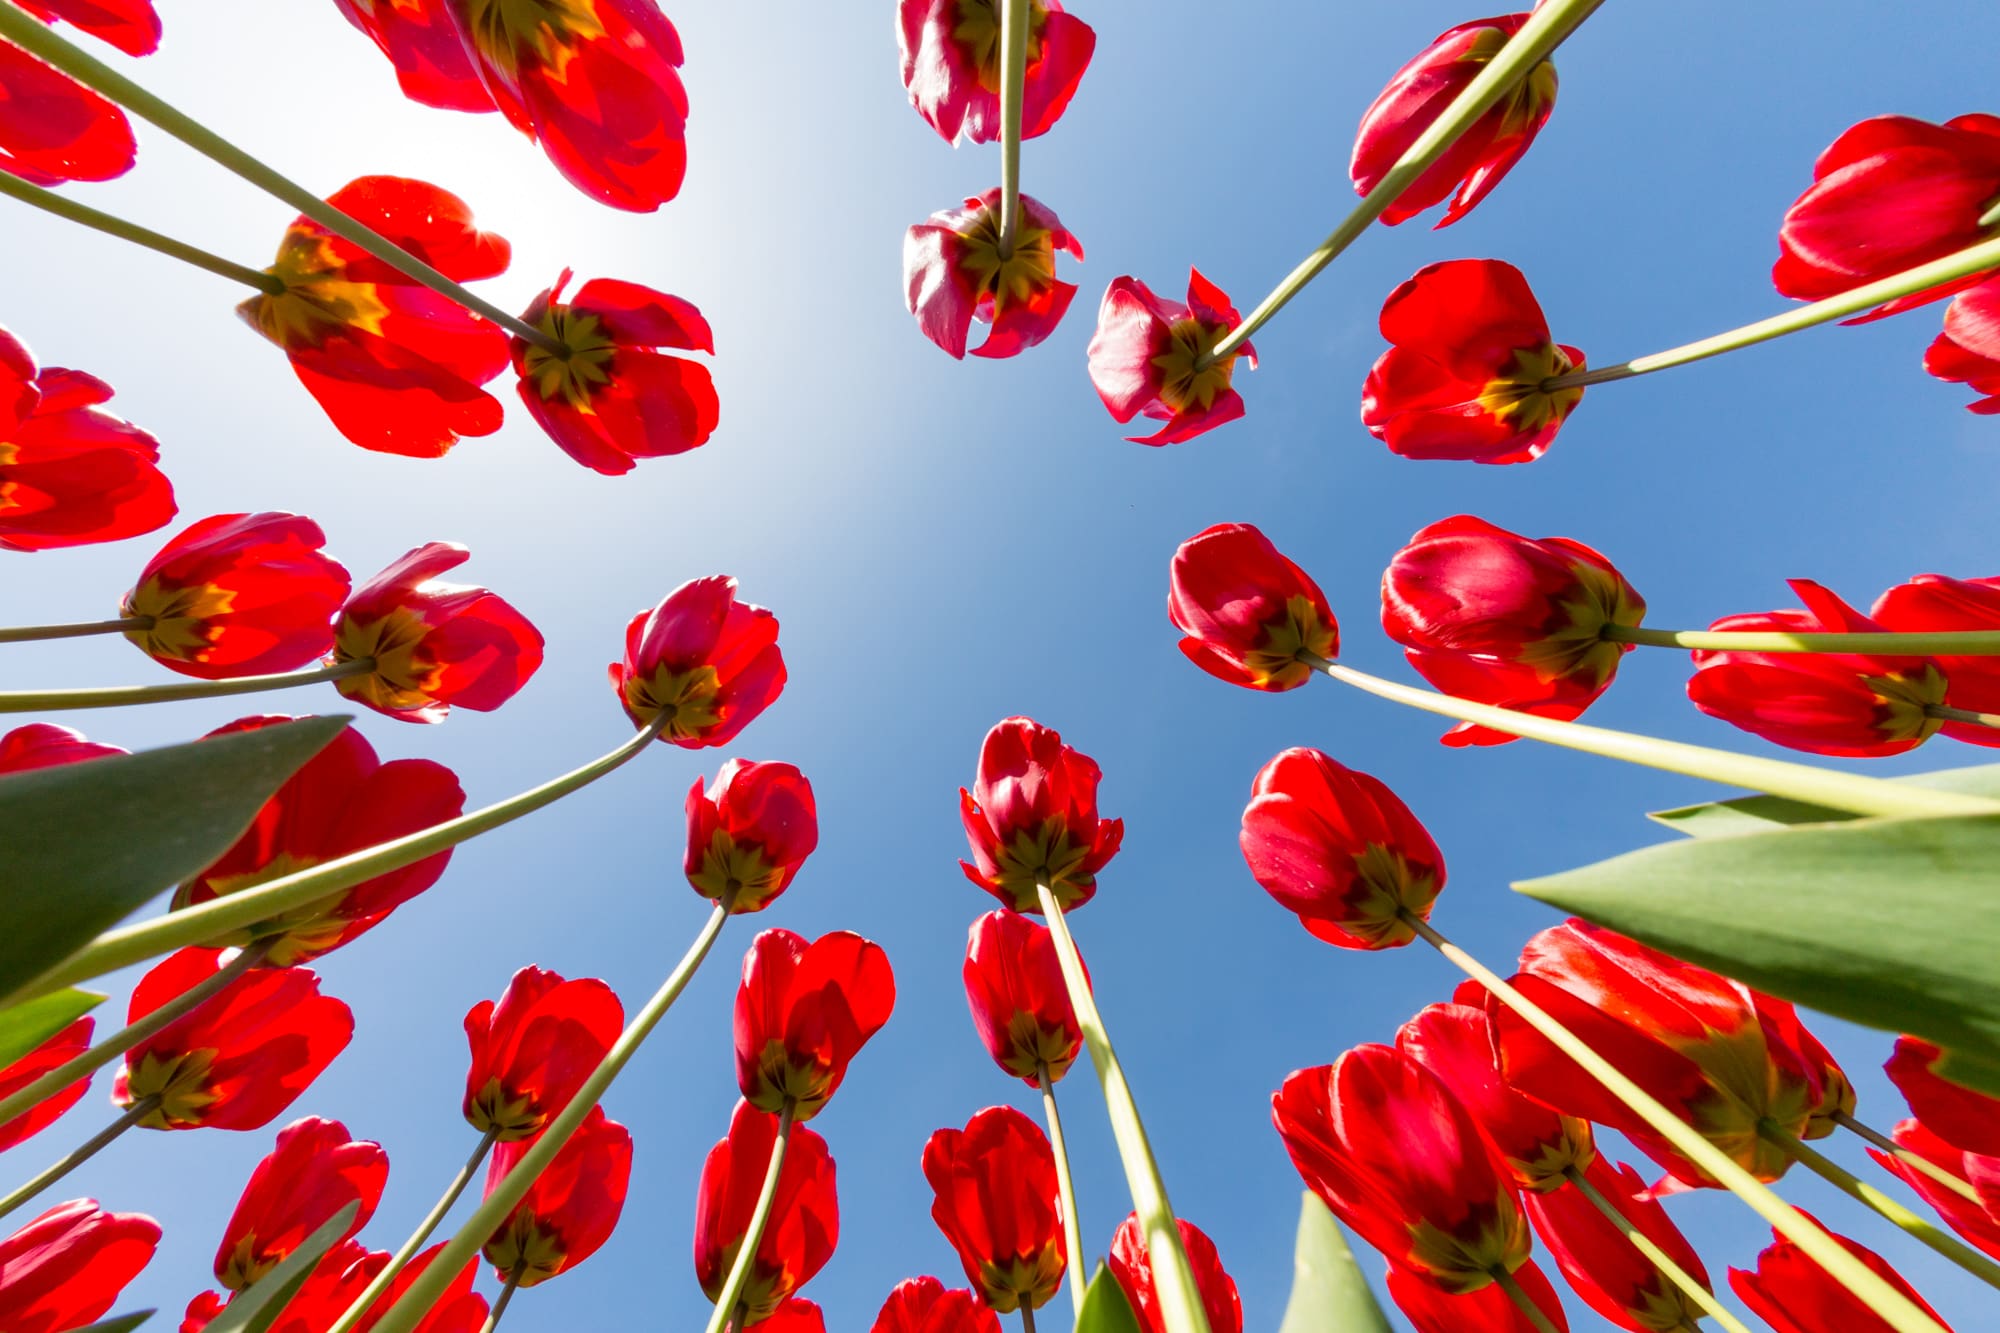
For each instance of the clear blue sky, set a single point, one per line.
(949, 543)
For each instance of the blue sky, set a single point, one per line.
(947, 544)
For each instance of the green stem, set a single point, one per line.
(1835, 790)
(1855, 1188)
(1181, 1310)
(505, 1299)
(1695, 1289)
(1964, 263)
(1956, 643)
(1065, 1190)
(1897, 1309)
(1946, 714)
(1522, 1301)
(95, 1144)
(1013, 93)
(120, 696)
(1914, 1161)
(36, 633)
(231, 912)
(417, 1300)
(35, 37)
(746, 1251)
(400, 1260)
(98, 220)
(1544, 31)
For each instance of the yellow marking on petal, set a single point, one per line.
(319, 298)
(730, 867)
(1044, 855)
(1017, 277)
(297, 935)
(1906, 701)
(181, 628)
(1517, 398)
(506, 1118)
(1280, 659)
(584, 364)
(1032, 1044)
(523, 1246)
(508, 32)
(405, 678)
(977, 34)
(689, 699)
(1187, 377)
(1495, 1236)
(1577, 647)
(1529, 98)
(179, 1081)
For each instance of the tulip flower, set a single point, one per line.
(341, 800)
(1470, 353)
(66, 1268)
(797, 1315)
(52, 128)
(313, 1172)
(534, 1049)
(1420, 93)
(749, 833)
(1977, 1221)
(1432, 1309)
(72, 473)
(1248, 615)
(239, 1059)
(1340, 850)
(996, 1202)
(433, 644)
(803, 1012)
(1020, 1004)
(1031, 818)
(1793, 1294)
(1936, 603)
(46, 745)
(1889, 194)
(701, 665)
(51, 1055)
(951, 65)
(1824, 703)
(421, 40)
(571, 1208)
(133, 26)
(1388, 1147)
(610, 398)
(1153, 357)
(1965, 1119)
(1132, 1268)
(804, 1223)
(1602, 1264)
(926, 1305)
(1492, 616)
(1954, 363)
(339, 1278)
(395, 366)
(954, 273)
(238, 595)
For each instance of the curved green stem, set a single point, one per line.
(90, 1147)
(1915, 1161)
(1181, 1310)
(1957, 643)
(69, 209)
(382, 1281)
(1065, 1191)
(1522, 1301)
(1552, 22)
(1694, 1288)
(500, 1304)
(1013, 92)
(1947, 714)
(120, 696)
(1835, 790)
(746, 1251)
(36, 633)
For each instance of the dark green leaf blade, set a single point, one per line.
(253, 1309)
(1761, 814)
(1105, 1309)
(28, 1025)
(124, 1323)
(1329, 1292)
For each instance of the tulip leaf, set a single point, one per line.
(254, 1309)
(1105, 1309)
(28, 1025)
(1761, 814)
(1886, 922)
(87, 843)
(1329, 1291)
(124, 1323)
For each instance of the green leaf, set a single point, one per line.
(253, 1309)
(1105, 1309)
(1329, 1293)
(1887, 922)
(1761, 814)
(124, 1323)
(90, 842)
(26, 1026)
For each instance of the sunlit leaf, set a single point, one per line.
(253, 1309)
(1761, 814)
(124, 1323)
(1329, 1293)
(1105, 1309)
(28, 1025)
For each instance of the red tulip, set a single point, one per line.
(1432, 1309)
(67, 1267)
(395, 366)
(1020, 1004)
(1132, 1267)
(749, 833)
(611, 398)
(797, 1315)
(804, 1224)
(1825, 703)
(433, 644)
(52, 128)
(1978, 1222)
(1031, 818)
(338, 1280)
(1470, 350)
(1420, 93)
(1149, 358)
(1340, 850)
(1793, 1294)
(342, 800)
(570, 1209)
(314, 1171)
(703, 660)
(422, 42)
(1965, 1119)
(1889, 194)
(803, 1012)
(1603, 1266)
(1934, 603)
(238, 1059)
(533, 1050)
(925, 1305)
(1949, 360)
(51, 1055)
(46, 745)
(72, 473)
(954, 273)
(238, 595)
(130, 25)
(1393, 1153)
(951, 64)
(1247, 614)
(996, 1202)
(1498, 618)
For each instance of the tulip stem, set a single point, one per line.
(1694, 1288)
(746, 1252)
(1181, 1309)
(1850, 792)
(1027, 1317)
(1963, 263)
(1915, 1161)
(1522, 1301)
(1065, 1189)
(1013, 93)
(400, 1260)
(1946, 714)
(90, 1147)
(1546, 29)
(119, 696)
(35, 37)
(502, 1195)
(98, 220)
(1870, 1288)
(1847, 1183)
(512, 1285)
(1959, 643)
(36, 633)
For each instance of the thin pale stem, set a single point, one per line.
(1544, 31)
(1971, 1260)
(1915, 1161)
(1181, 1309)
(1946, 714)
(418, 1298)
(36, 633)
(1027, 1318)
(90, 1147)
(1694, 1288)
(1898, 1310)
(1960, 643)
(120, 696)
(1522, 1301)
(400, 1260)
(1991, 217)
(1835, 790)
(735, 1323)
(70, 210)
(1013, 93)
(1065, 1191)
(746, 1252)
(500, 1304)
